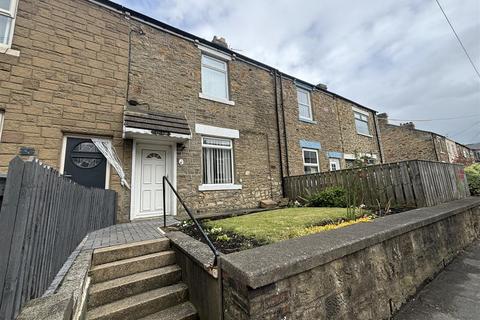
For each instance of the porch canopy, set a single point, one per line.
(138, 123)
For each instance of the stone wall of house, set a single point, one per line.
(70, 78)
(371, 271)
(441, 148)
(354, 143)
(324, 129)
(166, 76)
(406, 143)
(333, 126)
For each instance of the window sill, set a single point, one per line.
(218, 187)
(307, 121)
(224, 101)
(365, 135)
(9, 51)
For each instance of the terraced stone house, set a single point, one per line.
(405, 142)
(86, 81)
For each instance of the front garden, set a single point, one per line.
(324, 211)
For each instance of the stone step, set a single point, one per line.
(120, 288)
(131, 250)
(184, 311)
(142, 304)
(122, 268)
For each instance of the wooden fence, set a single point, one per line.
(415, 183)
(43, 218)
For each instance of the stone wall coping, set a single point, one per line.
(198, 251)
(264, 265)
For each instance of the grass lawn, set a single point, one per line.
(281, 224)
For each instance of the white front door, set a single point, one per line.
(334, 164)
(151, 167)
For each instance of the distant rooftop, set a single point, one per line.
(474, 146)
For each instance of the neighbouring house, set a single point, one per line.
(115, 99)
(405, 142)
(475, 148)
(325, 131)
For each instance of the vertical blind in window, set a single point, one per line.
(217, 161)
(304, 104)
(361, 122)
(214, 77)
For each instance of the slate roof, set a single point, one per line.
(474, 146)
(156, 121)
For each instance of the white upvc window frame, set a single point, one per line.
(309, 105)
(219, 186)
(203, 64)
(11, 14)
(317, 165)
(363, 116)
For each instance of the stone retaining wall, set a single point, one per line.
(366, 271)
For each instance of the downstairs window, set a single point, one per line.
(217, 161)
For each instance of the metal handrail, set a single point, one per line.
(197, 224)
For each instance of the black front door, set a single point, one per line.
(84, 163)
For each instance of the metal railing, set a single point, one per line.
(195, 221)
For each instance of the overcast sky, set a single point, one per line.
(395, 56)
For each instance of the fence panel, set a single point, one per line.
(415, 183)
(44, 216)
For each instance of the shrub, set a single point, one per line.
(473, 178)
(330, 197)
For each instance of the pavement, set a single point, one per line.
(453, 294)
(126, 233)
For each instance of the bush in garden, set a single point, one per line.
(473, 178)
(330, 197)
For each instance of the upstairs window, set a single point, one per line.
(361, 122)
(310, 161)
(8, 10)
(304, 104)
(214, 78)
(217, 161)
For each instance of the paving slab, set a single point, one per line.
(127, 233)
(453, 294)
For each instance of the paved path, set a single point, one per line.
(453, 294)
(126, 233)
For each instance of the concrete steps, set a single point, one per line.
(141, 305)
(184, 311)
(116, 289)
(127, 251)
(122, 268)
(138, 281)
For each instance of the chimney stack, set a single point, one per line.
(322, 86)
(409, 125)
(382, 118)
(220, 41)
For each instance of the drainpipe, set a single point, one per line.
(284, 126)
(377, 133)
(279, 137)
(335, 102)
(435, 147)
